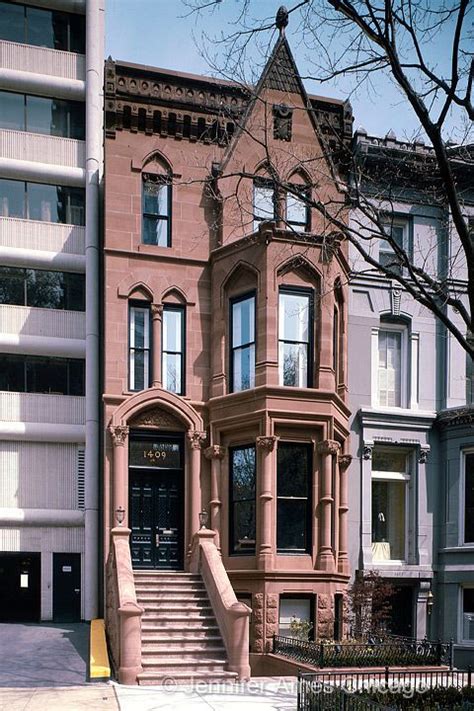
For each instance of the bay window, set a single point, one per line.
(242, 478)
(390, 482)
(294, 478)
(139, 346)
(173, 349)
(295, 342)
(242, 328)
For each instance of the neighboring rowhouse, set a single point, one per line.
(225, 335)
(50, 168)
(410, 487)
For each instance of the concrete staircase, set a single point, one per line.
(180, 636)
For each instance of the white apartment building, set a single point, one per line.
(51, 107)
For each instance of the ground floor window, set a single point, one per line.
(294, 476)
(468, 614)
(296, 617)
(242, 476)
(389, 505)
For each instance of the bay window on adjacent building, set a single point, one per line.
(294, 479)
(242, 346)
(469, 497)
(390, 486)
(242, 499)
(156, 191)
(41, 114)
(38, 374)
(42, 289)
(173, 349)
(295, 329)
(41, 201)
(139, 358)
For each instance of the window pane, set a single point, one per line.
(244, 368)
(12, 375)
(12, 286)
(263, 203)
(40, 28)
(293, 470)
(77, 33)
(243, 474)
(43, 202)
(138, 364)
(155, 231)
(77, 119)
(389, 461)
(138, 328)
(296, 213)
(388, 520)
(469, 499)
(243, 322)
(294, 317)
(155, 198)
(74, 292)
(293, 492)
(46, 375)
(76, 377)
(73, 203)
(12, 22)
(38, 115)
(172, 372)
(12, 115)
(45, 289)
(293, 359)
(12, 198)
(293, 608)
(292, 524)
(389, 380)
(172, 330)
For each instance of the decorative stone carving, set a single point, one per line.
(215, 451)
(423, 455)
(196, 438)
(396, 301)
(344, 461)
(119, 434)
(157, 418)
(328, 446)
(156, 311)
(282, 122)
(367, 451)
(266, 443)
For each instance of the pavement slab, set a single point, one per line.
(91, 697)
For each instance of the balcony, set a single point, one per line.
(32, 407)
(33, 235)
(51, 323)
(41, 60)
(36, 147)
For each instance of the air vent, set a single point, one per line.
(81, 464)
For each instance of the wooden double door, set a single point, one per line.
(156, 486)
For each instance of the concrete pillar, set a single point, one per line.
(195, 440)
(343, 558)
(215, 453)
(266, 549)
(156, 316)
(119, 473)
(93, 179)
(327, 449)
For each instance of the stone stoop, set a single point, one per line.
(180, 636)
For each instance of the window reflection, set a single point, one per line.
(35, 374)
(42, 27)
(243, 343)
(39, 201)
(242, 495)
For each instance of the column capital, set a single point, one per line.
(344, 461)
(367, 451)
(267, 443)
(196, 438)
(119, 434)
(328, 446)
(215, 451)
(423, 454)
(156, 311)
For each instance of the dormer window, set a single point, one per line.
(156, 210)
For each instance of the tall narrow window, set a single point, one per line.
(242, 477)
(469, 497)
(243, 343)
(173, 349)
(295, 328)
(390, 481)
(398, 231)
(390, 368)
(264, 205)
(139, 349)
(297, 212)
(156, 210)
(294, 498)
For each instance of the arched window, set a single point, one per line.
(156, 205)
(392, 353)
(139, 345)
(297, 212)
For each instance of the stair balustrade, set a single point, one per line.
(123, 613)
(232, 616)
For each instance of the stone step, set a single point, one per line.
(171, 594)
(171, 606)
(184, 589)
(170, 666)
(153, 620)
(171, 634)
(155, 678)
(173, 577)
(190, 651)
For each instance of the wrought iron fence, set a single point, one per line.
(386, 690)
(393, 651)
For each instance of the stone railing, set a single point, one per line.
(232, 616)
(123, 613)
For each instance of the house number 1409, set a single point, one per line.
(154, 454)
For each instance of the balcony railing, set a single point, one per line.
(33, 407)
(53, 150)
(52, 323)
(41, 60)
(45, 236)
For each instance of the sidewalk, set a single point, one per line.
(90, 697)
(258, 694)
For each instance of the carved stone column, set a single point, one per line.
(119, 434)
(195, 440)
(265, 445)
(215, 453)
(156, 317)
(343, 559)
(327, 449)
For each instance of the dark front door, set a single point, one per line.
(66, 587)
(401, 622)
(20, 587)
(156, 503)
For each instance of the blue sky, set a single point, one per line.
(162, 33)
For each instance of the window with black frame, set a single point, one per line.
(294, 341)
(173, 349)
(264, 201)
(42, 114)
(139, 346)
(42, 201)
(37, 374)
(242, 478)
(468, 497)
(42, 27)
(42, 289)
(297, 211)
(242, 349)
(156, 210)
(294, 478)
